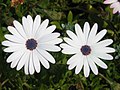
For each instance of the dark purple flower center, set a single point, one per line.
(31, 44)
(86, 50)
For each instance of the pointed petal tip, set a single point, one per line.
(76, 72)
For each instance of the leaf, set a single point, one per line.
(1, 35)
(57, 24)
(70, 17)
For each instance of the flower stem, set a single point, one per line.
(105, 78)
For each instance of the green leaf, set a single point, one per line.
(70, 17)
(57, 24)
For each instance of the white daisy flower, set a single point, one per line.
(115, 4)
(87, 48)
(30, 42)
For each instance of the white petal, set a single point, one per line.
(115, 10)
(54, 41)
(47, 56)
(103, 50)
(14, 48)
(31, 67)
(41, 29)
(92, 65)
(16, 59)
(100, 35)
(48, 37)
(36, 61)
(23, 60)
(86, 68)
(109, 1)
(79, 65)
(114, 5)
(80, 34)
(105, 56)
(9, 43)
(30, 24)
(99, 62)
(67, 49)
(14, 38)
(26, 26)
(74, 58)
(15, 32)
(49, 47)
(104, 43)
(50, 29)
(71, 66)
(14, 63)
(43, 61)
(72, 36)
(15, 56)
(92, 34)
(36, 24)
(19, 28)
(26, 67)
(86, 30)
(71, 42)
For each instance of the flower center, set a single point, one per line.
(85, 50)
(31, 44)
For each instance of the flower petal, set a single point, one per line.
(92, 34)
(74, 58)
(23, 59)
(15, 56)
(19, 28)
(40, 32)
(109, 1)
(104, 43)
(44, 62)
(36, 24)
(31, 66)
(100, 35)
(49, 47)
(9, 43)
(30, 24)
(67, 49)
(99, 62)
(71, 42)
(50, 29)
(86, 68)
(79, 65)
(14, 48)
(26, 67)
(92, 65)
(72, 36)
(47, 56)
(48, 37)
(15, 62)
(36, 62)
(14, 38)
(80, 34)
(15, 32)
(54, 41)
(86, 30)
(105, 56)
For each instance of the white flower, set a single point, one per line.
(87, 49)
(30, 42)
(115, 4)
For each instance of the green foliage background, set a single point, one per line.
(64, 14)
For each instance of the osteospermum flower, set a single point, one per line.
(87, 48)
(30, 42)
(115, 4)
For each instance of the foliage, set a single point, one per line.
(64, 14)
